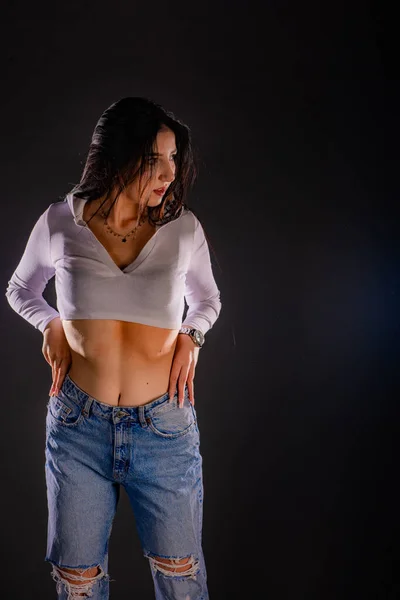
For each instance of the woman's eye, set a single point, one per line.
(152, 160)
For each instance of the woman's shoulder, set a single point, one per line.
(182, 218)
(58, 209)
(190, 215)
(190, 221)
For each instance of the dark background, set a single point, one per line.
(295, 387)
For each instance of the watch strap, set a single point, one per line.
(191, 331)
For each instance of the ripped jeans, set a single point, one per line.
(152, 450)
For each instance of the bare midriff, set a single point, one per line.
(118, 362)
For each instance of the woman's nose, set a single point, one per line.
(168, 173)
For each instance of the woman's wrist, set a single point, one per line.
(54, 323)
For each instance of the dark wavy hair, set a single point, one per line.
(123, 138)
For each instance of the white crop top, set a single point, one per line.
(173, 265)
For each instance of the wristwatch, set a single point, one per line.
(196, 335)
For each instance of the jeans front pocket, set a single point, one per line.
(64, 410)
(169, 421)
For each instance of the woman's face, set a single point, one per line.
(163, 162)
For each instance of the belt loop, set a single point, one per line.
(142, 418)
(86, 408)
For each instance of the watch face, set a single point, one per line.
(199, 337)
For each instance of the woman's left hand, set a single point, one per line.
(183, 367)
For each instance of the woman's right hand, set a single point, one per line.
(57, 353)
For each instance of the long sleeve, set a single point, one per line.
(25, 288)
(201, 292)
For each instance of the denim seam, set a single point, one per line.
(169, 435)
(63, 423)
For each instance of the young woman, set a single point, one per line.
(126, 251)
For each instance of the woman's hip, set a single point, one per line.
(119, 442)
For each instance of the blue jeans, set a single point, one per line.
(153, 451)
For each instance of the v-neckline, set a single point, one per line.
(103, 252)
(101, 249)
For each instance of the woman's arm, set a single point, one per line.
(201, 292)
(25, 288)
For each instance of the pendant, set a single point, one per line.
(124, 239)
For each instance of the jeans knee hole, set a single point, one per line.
(175, 567)
(75, 582)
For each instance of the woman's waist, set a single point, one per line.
(119, 341)
(129, 382)
(120, 365)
